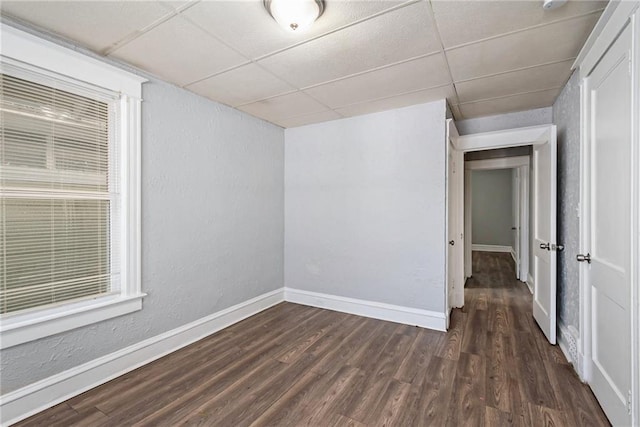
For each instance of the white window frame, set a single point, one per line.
(22, 49)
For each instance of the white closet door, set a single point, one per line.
(609, 241)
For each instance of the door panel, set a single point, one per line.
(609, 240)
(515, 216)
(451, 225)
(544, 235)
(468, 270)
(458, 236)
(455, 220)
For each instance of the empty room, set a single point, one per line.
(320, 213)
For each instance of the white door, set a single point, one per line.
(468, 263)
(455, 218)
(451, 226)
(544, 235)
(523, 222)
(515, 217)
(609, 241)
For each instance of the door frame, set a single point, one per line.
(522, 164)
(618, 16)
(453, 296)
(517, 137)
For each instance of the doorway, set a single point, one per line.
(502, 215)
(542, 244)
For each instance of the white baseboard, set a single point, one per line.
(569, 342)
(22, 403)
(36, 397)
(491, 248)
(530, 284)
(376, 310)
(581, 368)
(513, 255)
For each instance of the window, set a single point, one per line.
(69, 190)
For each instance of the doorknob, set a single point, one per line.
(452, 242)
(583, 258)
(545, 246)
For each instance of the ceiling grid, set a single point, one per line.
(360, 56)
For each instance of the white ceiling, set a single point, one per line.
(485, 57)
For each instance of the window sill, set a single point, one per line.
(20, 329)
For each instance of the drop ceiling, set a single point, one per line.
(484, 57)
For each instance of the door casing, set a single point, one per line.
(533, 135)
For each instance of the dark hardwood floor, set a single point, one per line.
(293, 365)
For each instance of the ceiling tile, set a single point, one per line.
(284, 106)
(395, 36)
(491, 18)
(399, 101)
(457, 114)
(527, 80)
(423, 73)
(308, 119)
(248, 27)
(96, 25)
(180, 52)
(344, 65)
(554, 42)
(241, 86)
(179, 4)
(509, 104)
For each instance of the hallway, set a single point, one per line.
(296, 365)
(527, 381)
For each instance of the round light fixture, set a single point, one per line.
(295, 15)
(552, 4)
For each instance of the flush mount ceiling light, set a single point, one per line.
(295, 15)
(552, 4)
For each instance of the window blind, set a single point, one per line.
(59, 194)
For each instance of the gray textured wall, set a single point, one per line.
(212, 228)
(492, 205)
(538, 116)
(566, 116)
(365, 207)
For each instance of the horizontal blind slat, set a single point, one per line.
(58, 185)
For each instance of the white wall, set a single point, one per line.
(492, 207)
(212, 229)
(365, 207)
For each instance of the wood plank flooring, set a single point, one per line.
(293, 365)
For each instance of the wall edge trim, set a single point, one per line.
(569, 343)
(376, 310)
(530, 283)
(36, 397)
(491, 248)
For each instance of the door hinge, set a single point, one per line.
(629, 402)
